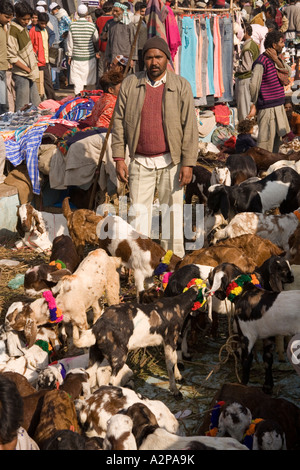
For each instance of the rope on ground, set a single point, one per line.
(229, 347)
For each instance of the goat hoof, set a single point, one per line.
(178, 395)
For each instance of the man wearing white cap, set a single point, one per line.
(82, 39)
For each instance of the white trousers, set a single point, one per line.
(143, 182)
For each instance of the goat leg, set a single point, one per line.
(268, 348)
(172, 369)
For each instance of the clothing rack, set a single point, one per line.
(230, 10)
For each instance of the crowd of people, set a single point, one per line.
(45, 48)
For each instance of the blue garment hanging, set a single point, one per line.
(210, 59)
(189, 52)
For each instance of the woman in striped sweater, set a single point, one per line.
(269, 76)
(82, 40)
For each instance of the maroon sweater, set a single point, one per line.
(152, 140)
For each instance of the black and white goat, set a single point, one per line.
(199, 185)
(277, 228)
(63, 260)
(235, 420)
(259, 314)
(125, 327)
(237, 169)
(280, 190)
(143, 426)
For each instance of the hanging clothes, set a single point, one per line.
(189, 52)
(199, 58)
(226, 31)
(172, 33)
(210, 59)
(218, 72)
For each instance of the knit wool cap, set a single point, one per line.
(157, 43)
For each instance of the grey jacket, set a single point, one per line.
(179, 118)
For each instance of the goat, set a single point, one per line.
(281, 164)
(149, 436)
(259, 314)
(133, 325)
(35, 357)
(95, 278)
(248, 251)
(280, 190)
(235, 420)
(57, 413)
(220, 175)
(63, 260)
(294, 247)
(38, 229)
(264, 159)
(94, 412)
(240, 168)
(276, 228)
(82, 225)
(137, 252)
(24, 387)
(273, 275)
(70, 440)
(119, 434)
(199, 185)
(261, 406)
(54, 374)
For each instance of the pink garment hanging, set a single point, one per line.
(218, 75)
(172, 32)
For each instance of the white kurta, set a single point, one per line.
(83, 72)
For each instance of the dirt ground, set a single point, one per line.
(210, 367)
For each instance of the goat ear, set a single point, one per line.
(30, 331)
(275, 282)
(19, 229)
(56, 276)
(38, 221)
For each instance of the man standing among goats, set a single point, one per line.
(155, 117)
(269, 76)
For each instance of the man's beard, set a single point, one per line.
(118, 18)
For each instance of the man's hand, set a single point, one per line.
(185, 175)
(252, 112)
(122, 171)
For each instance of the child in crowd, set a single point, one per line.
(42, 37)
(34, 20)
(12, 435)
(293, 117)
(20, 54)
(110, 83)
(244, 139)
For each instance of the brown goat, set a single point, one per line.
(23, 385)
(263, 158)
(57, 412)
(246, 251)
(82, 225)
(294, 247)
